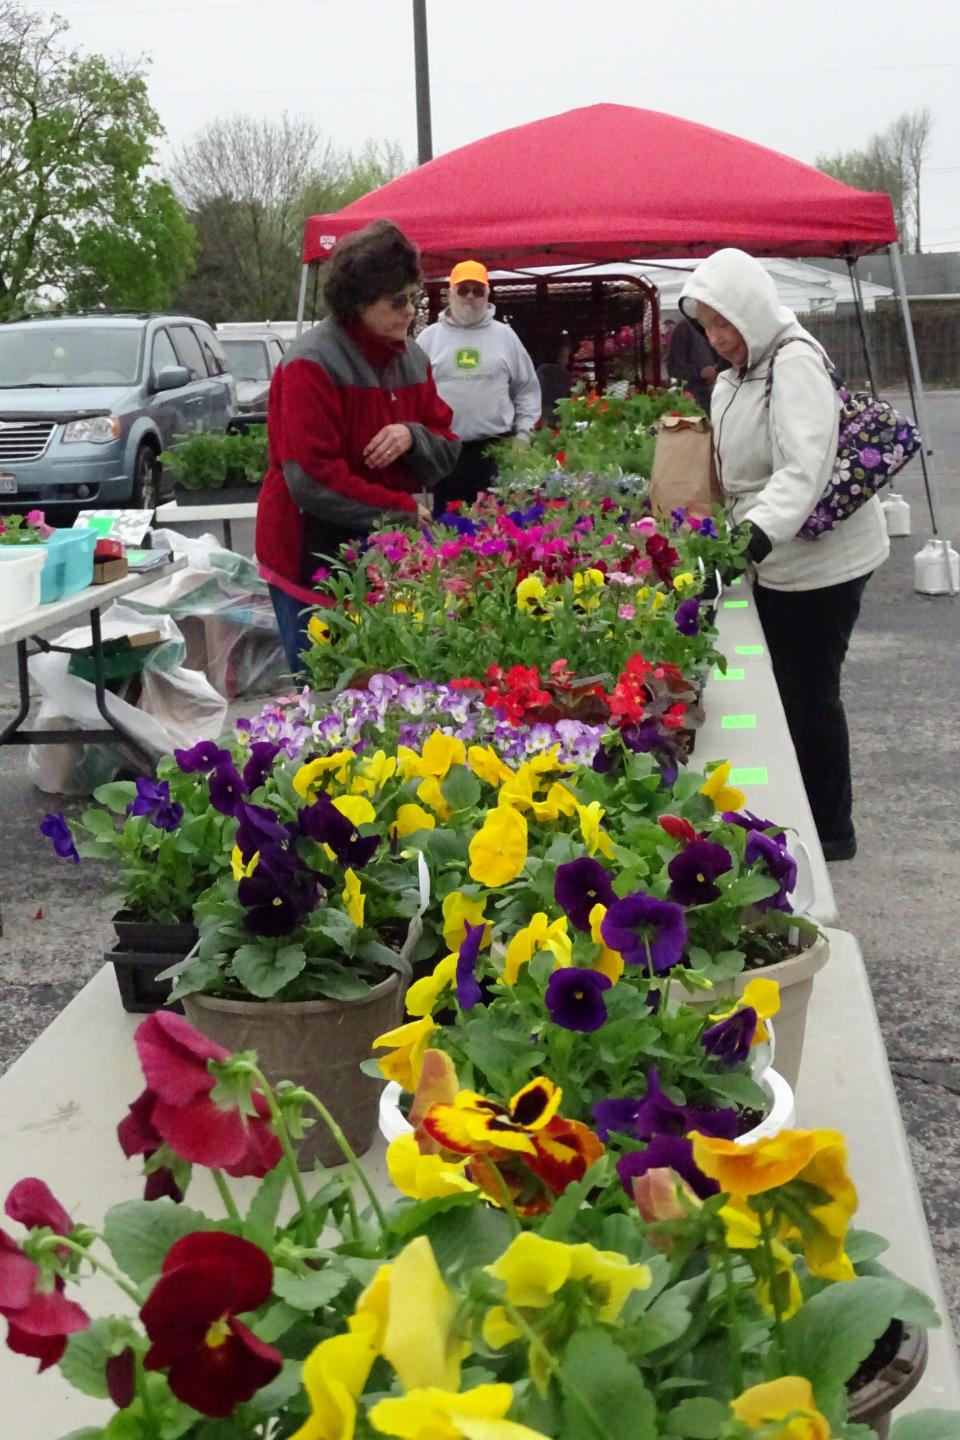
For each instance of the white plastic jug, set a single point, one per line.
(896, 512)
(930, 569)
(20, 567)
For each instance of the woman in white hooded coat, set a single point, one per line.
(775, 457)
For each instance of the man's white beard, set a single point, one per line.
(467, 312)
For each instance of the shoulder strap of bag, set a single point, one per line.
(835, 377)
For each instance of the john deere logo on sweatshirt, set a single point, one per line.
(467, 359)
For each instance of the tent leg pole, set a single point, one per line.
(302, 300)
(921, 404)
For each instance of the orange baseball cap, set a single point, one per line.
(469, 270)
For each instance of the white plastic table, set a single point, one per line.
(173, 513)
(745, 724)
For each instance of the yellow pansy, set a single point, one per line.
(722, 796)
(240, 870)
(357, 809)
(425, 992)
(373, 772)
(534, 1269)
(405, 1060)
(307, 779)
(658, 601)
(410, 818)
(498, 851)
(540, 934)
(319, 631)
(334, 1374)
(560, 800)
(408, 762)
(786, 1404)
(424, 1177)
(521, 788)
(608, 962)
(760, 995)
(353, 897)
(531, 596)
(422, 1339)
(459, 911)
(683, 582)
(487, 765)
(430, 793)
(440, 752)
(594, 837)
(432, 1414)
(742, 1229)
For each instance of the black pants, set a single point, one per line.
(472, 473)
(807, 634)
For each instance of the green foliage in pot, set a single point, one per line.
(209, 462)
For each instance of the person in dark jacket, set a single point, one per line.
(692, 360)
(355, 427)
(556, 382)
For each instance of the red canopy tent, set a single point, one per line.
(610, 182)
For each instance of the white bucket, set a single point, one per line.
(930, 569)
(896, 512)
(19, 581)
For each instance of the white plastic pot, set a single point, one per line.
(19, 581)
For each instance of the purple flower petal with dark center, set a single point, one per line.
(574, 998)
(259, 826)
(262, 755)
(657, 1114)
(323, 822)
(153, 801)
(748, 821)
(579, 885)
(468, 987)
(694, 870)
(666, 1152)
(274, 905)
(640, 925)
(203, 756)
(778, 863)
(729, 1041)
(226, 788)
(58, 832)
(687, 617)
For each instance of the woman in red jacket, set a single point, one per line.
(355, 426)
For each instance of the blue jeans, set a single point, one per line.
(292, 616)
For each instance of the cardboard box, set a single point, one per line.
(106, 570)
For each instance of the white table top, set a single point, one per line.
(58, 612)
(745, 724)
(172, 512)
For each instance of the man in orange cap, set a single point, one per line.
(484, 374)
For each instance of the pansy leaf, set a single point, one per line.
(140, 1232)
(926, 1425)
(460, 788)
(117, 795)
(604, 1387)
(263, 972)
(265, 1205)
(84, 1360)
(835, 1331)
(341, 985)
(270, 1399)
(665, 1321)
(98, 824)
(698, 1419)
(335, 925)
(279, 1318)
(747, 889)
(864, 1245)
(310, 1290)
(375, 953)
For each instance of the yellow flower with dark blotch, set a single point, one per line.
(410, 818)
(721, 795)
(405, 1060)
(307, 779)
(532, 596)
(430, 793)
(319, 631)
(486, 764)
(421, 1338)
(474, 1125)
(760, 995)
(357, 809)
(354, 900)
(782, 1409)
(425, 992)
(424, 1177)
(683, 582)
(432, 1414)
(459, 911)
(498, 851)
(541, 934)
(594, 836)
(238, 868)
(585, 584)
(373, 772)
(334, 1375)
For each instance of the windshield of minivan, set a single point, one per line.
(247, 359)
(69, 355)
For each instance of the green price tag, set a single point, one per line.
(730, 675)
(756, 776)
(748, 650)
(738, 722)
(735, 604)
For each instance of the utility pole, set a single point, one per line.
(422, 71)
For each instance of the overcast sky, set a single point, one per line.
(799, 78)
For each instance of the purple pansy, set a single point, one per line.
(687, 617)
(748, 821)
(578, 886)
(729, 1041)
(779, 865)
(226, 788)
(202, 756)
(262, 755)
(154, 803)
(708, 529)
(58, 832)
(259, 826)
(468, 987)
(693, 872)
(640, 925)
(323, 822)
(275, 897)
(666, 1152)
(657, 1114)
(574, 998)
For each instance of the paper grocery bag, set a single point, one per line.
(684, 473)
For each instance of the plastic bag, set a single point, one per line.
(225, 612)
(176, 707)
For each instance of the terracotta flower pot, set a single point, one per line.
(795, 977)
(318, 1044)
(874, 1402)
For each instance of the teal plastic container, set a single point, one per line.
(67, 562)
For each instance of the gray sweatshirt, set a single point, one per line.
(484, 374)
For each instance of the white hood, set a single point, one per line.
(742, 291)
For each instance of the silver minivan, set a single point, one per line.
(88, 402)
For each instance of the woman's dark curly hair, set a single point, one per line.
(373, 262)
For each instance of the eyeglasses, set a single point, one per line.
(476, 291)
(399, 303)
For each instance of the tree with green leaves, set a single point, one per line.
(83, 221)
(892, 162)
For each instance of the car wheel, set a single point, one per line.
(146, 479)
